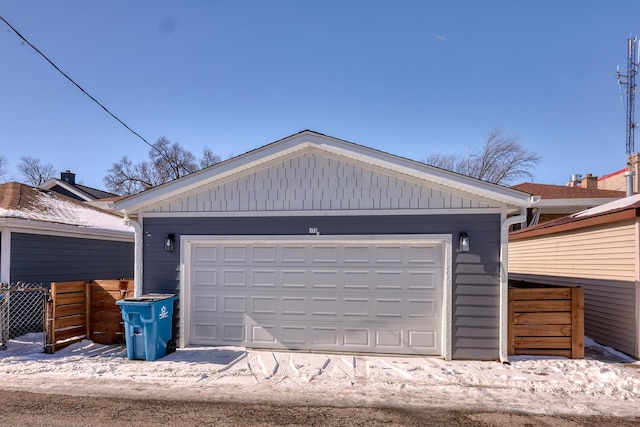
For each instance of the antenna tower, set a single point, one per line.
(629, 82)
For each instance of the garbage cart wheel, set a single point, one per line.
(171, 346)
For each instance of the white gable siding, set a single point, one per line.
(317, 182)
(604, 252)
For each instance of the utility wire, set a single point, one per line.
(78, 86)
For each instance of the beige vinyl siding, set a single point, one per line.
(607, 252)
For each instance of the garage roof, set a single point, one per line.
(305, 140)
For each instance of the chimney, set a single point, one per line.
(68, 177)
(589, 181)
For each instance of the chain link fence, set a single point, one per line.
(22, 310)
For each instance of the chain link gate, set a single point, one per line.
(22, 310)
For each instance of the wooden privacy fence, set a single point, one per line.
(546, 321)
(85, 310)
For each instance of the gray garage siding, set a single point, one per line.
(475, 275)
(44, 259)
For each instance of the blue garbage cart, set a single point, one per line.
(148, 325)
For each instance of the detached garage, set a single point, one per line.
(314, 243)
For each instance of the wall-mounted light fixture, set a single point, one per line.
(464, 242)
(169, 242)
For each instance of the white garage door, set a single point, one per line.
(380, 295)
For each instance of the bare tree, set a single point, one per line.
(35, 172)
(502, 160)
(167, 161)
(4, 166)
(209, 158)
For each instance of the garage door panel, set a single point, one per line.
(234, 333)
(378, 338)
(324, 306)
(203, 254)
(234, 278)
(205, 331)
(264, 254)
(263, 305)
(294, 336)
(204, 304)
(234, 304)
(357, 337)
(205, 277)
(264, 278)
(343, 307)
(342, 296)
(263, 334)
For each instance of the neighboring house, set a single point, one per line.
(596, 249)
(557, 201)
(618, 180)
(315, 243)
(46, 236)
(67, 185)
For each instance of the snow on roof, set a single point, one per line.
(21, 201)
(607, 207)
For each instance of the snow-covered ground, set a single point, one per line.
(605, 382)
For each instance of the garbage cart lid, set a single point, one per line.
(150, 298)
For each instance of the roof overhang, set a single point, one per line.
(48, 185)
(591, 221)
(577, 202)
(29, 226)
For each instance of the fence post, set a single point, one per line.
(577, 323)
(87, 309)
(4, 317)
(49, 329)
(511, 340)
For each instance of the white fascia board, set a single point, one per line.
(327, 213)
(271, 152)
(48, 185)
(17, 225)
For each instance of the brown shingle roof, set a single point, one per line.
(547, 191)
(21, 201)
(10, 195)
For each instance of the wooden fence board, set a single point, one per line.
(540, 293)
(546, 321)
(543, 342)
(70, 310)
(542, 330)
(62, 287)
(75, 332)
(543, 318)
(85, 310)
(70, 321)
(542, 305)
(70, 298)
(107, 324)
(544, 352)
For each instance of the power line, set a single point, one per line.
(78, 86)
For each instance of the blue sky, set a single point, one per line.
(235, 75)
